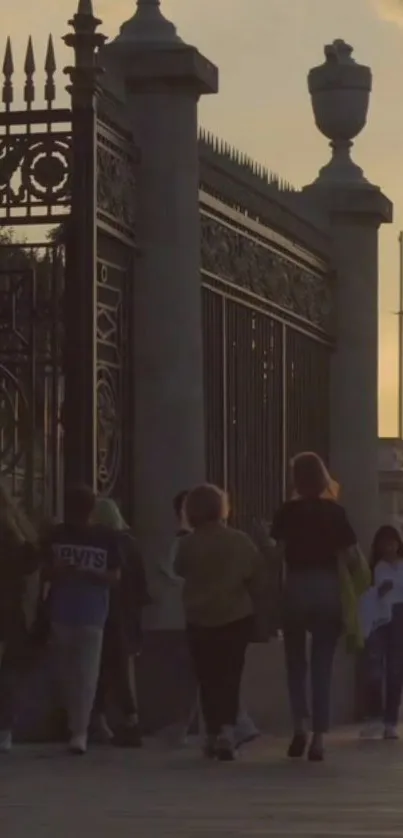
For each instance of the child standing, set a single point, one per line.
(383, 654)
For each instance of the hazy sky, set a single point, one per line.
(264, 49)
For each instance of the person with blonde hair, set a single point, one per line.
(313, 532)
(19, 591)
(223, 575)
(122, 637)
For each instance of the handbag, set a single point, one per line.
(355, 579)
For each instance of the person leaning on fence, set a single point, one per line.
(19, 590)
(83, 564)
(223, 572)
(123, 634)
(319, 548)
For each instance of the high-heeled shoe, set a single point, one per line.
(297, 745)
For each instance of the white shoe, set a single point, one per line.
(6, 741)
(373, 729)
(245, 731)
(391, 732)
(78, 744)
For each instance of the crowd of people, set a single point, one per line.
(81, 587)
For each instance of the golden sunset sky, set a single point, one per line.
(264, 49)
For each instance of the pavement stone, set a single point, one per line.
(157, 792)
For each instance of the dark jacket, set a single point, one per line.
(131, 596)
(17, 562)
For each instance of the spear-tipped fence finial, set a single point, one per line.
(8, 72)
(29, 70)
(50, 70)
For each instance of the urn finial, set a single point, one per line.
(340, 91)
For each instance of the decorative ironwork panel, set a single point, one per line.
(214, 350)
(254, 399)
(308, 395)
(234, 255)
(35, 148)
(31, 382)
(114, 385)
(116, 182)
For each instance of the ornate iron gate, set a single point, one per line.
(267, 369)
(65, 379)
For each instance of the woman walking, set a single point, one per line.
(223, 572)
(315, 535)
(19, 589)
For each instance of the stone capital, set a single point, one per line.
(363, 205)
(154, 69)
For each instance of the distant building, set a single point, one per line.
(391, 481)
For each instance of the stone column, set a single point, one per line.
(163, 80)
(340, 90)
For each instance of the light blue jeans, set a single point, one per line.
(312, 606)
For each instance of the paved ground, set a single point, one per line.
(117, 794)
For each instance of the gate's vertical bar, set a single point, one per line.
(284, 418)
(80, 356)
(224, 390)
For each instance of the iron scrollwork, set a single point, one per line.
(116, 183)
(244, 261)
(110, 371)
(34, 173)
(109, 430)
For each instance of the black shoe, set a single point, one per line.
(128, 736)
(297, 746)
(316, 753)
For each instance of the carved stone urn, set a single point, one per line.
(340, 92)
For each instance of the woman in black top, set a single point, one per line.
(313, 531)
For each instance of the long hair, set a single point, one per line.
(310, 476)
(107, 513)
(386, 532)
(13, 520)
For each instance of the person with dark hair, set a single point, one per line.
(83, 564)
(383, 653)
(222, 572)
(122, 636)
(314, 535)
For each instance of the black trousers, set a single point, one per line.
(218, 655)
(114, 676)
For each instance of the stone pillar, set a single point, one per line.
(163, 79)
(340, 90)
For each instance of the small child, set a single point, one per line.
(383, 654)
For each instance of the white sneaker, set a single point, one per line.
(373, 729)
(78, 744)
(391, 732)
(6, 741)
(245, 731)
